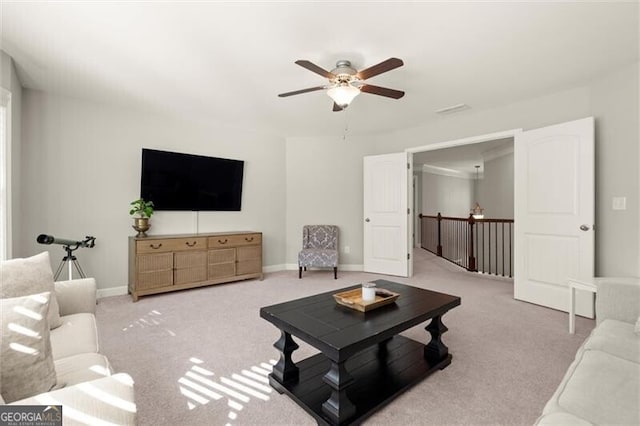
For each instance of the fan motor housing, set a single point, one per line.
(344, 71)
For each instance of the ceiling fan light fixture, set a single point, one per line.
(342, 94)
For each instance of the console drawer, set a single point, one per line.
(235, 240)
(173, 244)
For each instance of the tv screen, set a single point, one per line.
(175, 181)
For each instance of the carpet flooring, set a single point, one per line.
(200, 357)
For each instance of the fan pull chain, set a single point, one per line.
(346, 125)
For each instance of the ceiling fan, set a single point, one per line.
(345, 82)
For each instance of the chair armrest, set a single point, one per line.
(618, 298)
(109, 400)
(76, 296)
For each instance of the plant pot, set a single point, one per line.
(142, 225)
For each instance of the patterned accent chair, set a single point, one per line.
(319, 248)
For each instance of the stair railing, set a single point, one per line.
(478, 245)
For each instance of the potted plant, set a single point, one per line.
(141, 210)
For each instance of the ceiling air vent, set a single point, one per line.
(452, 109)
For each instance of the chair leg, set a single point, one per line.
(335, 272)
(300, 272)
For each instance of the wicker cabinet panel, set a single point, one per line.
(249, 260)
(155, 262)
(190, 259)
(222, 256)
(249, 253)
(155, 279)
(221, 270)
(190, 275)
(249, 267)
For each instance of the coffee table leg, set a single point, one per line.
(285, 370)
(436, 350)
(383, 351)
(338, 407)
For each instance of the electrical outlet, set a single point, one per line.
(619, 203)
(347, 249)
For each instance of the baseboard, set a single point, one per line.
(274, 268)
(347, 267)
(111, 291)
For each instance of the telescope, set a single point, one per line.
(69, 247)
(50, 239)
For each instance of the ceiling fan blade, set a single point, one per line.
(298, 92)
(314, 68)
(337, 107)
(383, 66)
(382, 91)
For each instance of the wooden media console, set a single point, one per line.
(162, 263)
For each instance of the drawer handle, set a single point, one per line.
(155, 247)
(191, 244)
(223, 242)
(248, 239)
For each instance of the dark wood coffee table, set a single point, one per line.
(364, 363)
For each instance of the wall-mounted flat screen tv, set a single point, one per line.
(176, 181)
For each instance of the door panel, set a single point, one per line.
(221, 263)
(386, 217)
(249, 260)
(554, 196)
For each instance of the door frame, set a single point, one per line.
(511, 133)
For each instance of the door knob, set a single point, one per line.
(584, 227)
(367, 220)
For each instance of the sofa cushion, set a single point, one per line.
(109, 400)
(600, 388)
(616, 338)
(32, 275)
(25, 347)
(77, 334)
(618, 298)
(80, 368)
(561, 419)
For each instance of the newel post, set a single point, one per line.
(439, 248)
(472, 257)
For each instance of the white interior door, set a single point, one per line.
(386, 218)
(554, 213)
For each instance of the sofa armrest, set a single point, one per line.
(76, 296)
(109, 400)
(618, 299)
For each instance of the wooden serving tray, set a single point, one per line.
(353, 299)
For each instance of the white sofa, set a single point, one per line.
(86, 388)
(602, 385)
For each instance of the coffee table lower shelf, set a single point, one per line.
(381, 373)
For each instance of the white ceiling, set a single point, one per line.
(226, 62)
(462, 160)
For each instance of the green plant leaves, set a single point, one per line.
(142, 208)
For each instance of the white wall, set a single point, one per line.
(81, 169)
(614, 101)
(324, 186)
(494, 191)
(9, 81)
(448, 195)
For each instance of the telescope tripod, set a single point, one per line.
(70, 260)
